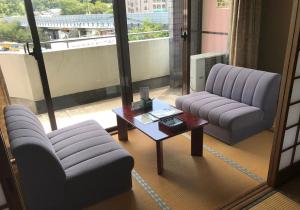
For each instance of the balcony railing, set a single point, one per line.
(104, 39)
(92, 69)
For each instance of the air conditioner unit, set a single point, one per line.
(201, 65)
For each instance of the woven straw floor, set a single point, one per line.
(277, 201)
(207, 182)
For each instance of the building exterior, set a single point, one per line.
(143, 6)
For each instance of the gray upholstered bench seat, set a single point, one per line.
(220, 111)
(68, 168)
(237, 102)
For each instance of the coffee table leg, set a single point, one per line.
(122, 129)
(159, 156)
(197, 142)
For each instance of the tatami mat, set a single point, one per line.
(277, 201)
(187, 182)
(252, 153)
(136, 199)
(223, 174)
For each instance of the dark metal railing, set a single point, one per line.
(68, 40)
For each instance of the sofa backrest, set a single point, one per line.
(249, 86)
(22, 123)
(40, 170)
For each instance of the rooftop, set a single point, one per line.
(92, 20)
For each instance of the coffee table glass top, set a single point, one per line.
(152, 129)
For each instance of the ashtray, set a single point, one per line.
(172, 123)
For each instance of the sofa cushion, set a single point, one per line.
(87, 147)
(219, 110)
(96, 166)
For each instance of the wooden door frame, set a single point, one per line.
(274, 177)
(8, 179)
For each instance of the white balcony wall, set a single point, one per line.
(17, 70)
(82, 69)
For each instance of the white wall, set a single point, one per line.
(16, 74)
(82, 69)
(149, 59)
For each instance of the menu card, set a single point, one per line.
(145, 118)
(165, 112)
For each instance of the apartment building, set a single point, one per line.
(143, 6)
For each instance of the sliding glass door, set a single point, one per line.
(79, 51)
(155, 47)
(19, 67)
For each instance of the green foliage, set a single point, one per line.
(147, 26)
(14, 32)
(71, 7)
(100, 8)
(68, 7)
(11, 8)
(42, 5)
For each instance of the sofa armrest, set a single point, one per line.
(42, 176)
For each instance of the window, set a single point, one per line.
(223, 4)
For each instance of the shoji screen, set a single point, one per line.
(290, 153)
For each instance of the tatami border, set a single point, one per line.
(163, 205)
(230, 162)
(150, 191)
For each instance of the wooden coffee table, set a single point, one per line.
(194, 124)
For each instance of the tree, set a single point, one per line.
(73, 7)
(42, 5)
(104, 1)
(147, 26)
(11, 8)
(14, 32)
(100, 8)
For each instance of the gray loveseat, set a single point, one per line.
(237, 102)
(68, 168)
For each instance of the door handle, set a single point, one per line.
(28, 49)
(184, 34)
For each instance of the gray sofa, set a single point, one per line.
(68, 168)
(237, 102)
